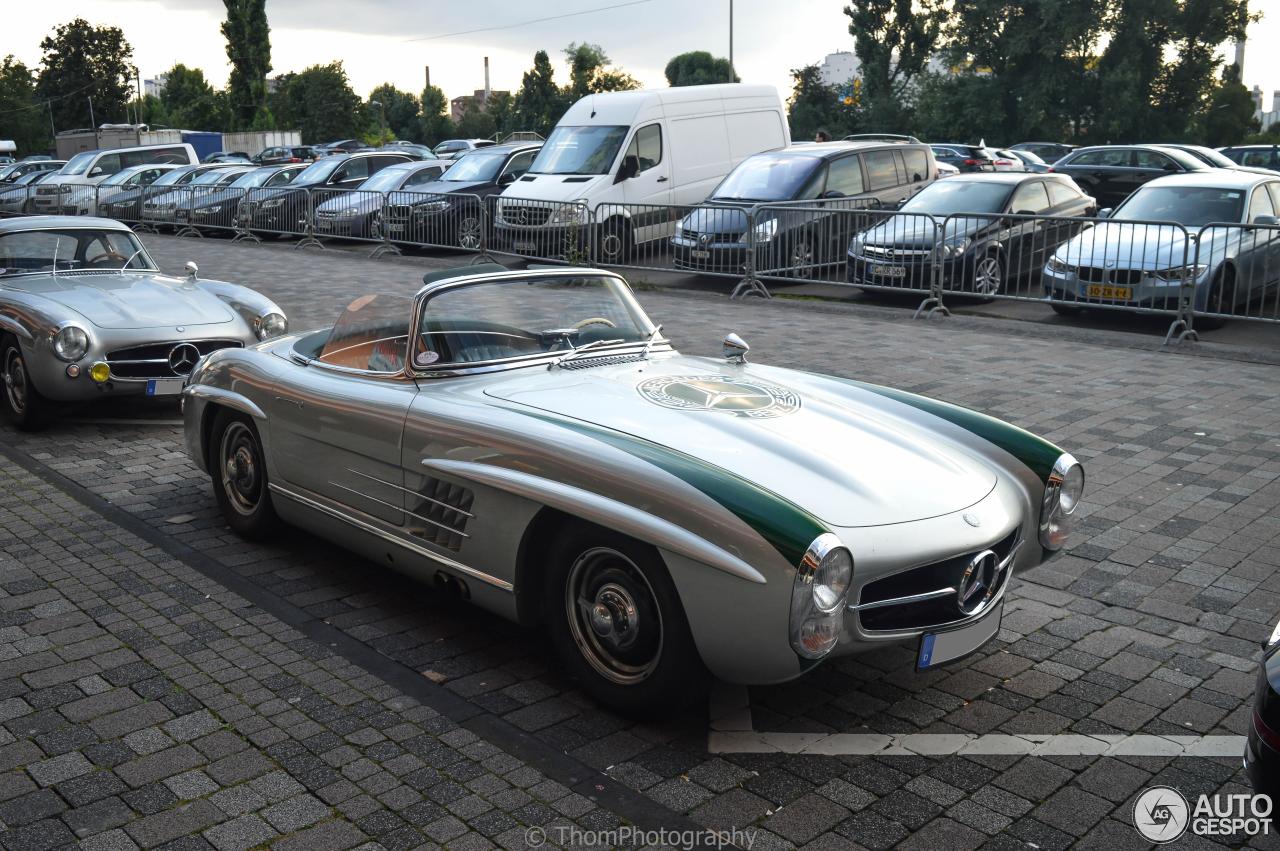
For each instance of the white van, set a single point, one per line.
(67, 193)
(613, 153)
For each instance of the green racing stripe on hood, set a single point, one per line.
(1035, 452)
(786, 526)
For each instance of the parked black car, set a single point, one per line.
(994, 236)
(127, 205)
(342, 146)
(836, 178)
(1111, 172)
(418, 152)
(454, 148)
(1050, 152)
(285, 210)
(358, 213)
(286, 155)
(446, 212)
(1258, 156)
(967, 158)
(1262, 750)
(217, 207)
(226, 157)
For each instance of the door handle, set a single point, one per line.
(296, 402)
(662, 179)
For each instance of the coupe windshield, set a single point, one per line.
(1189, 206)
(30, 251)
(79, 164)
(478, 165)
(579, 150)
(959, 196)
(767, 177)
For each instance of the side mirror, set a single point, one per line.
(1104, 213)
(193, 270)
(1269, 221)
(630, 168)
(735, 349)
(506, 178)
(832, 193)
(95, 171)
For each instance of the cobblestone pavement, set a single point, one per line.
(377, 688)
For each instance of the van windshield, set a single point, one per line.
(579, 150)
(79, 164)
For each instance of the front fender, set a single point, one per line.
(247, 303)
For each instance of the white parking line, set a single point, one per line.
(732, 732)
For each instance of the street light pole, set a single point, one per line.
(731, 73)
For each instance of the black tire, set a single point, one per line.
(239, 473)
(23, 405)
(469, 228)
(1222, 299)
(987, 279)
(614, 243)
(801, 259)
(636, 670)
(1065, 309)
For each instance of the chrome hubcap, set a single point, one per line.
(15, 381)
(801, 260)
(611, 246)
(241, 478)
(986, 276)
(613, 616)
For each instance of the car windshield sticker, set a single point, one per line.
(737, 396)
(426, 358)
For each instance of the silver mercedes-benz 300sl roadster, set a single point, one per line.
(84, 314)
(530, 441)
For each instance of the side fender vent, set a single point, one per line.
(443, 509)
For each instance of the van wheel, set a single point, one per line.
(616, 623)
(614, 244)
(23, 404)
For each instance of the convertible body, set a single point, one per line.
(793, 516)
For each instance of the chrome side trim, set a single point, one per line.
(401, 509)
(373, 529)
(602, 510)
(206, 393)
(418, 494)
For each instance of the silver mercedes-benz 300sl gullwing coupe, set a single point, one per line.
(84, 314)
(529, 440)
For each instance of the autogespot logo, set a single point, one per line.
(1161, 814)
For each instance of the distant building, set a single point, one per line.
(479, 100)
(1265, 117)
(839, 68)
(154, 86)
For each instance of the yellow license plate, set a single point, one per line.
(1104, 291)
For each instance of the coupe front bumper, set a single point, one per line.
(1119, 287)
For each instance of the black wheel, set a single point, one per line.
(23, 404)
(617, 624)
(800, 259)
(614, 244)
(1064, 309)
(1222, 299)
(239, 473)
(469, 229)
(988, 275)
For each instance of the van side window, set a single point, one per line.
(520, 163)
(107, 164)
(845, 176)
(882, 171)
(646, 146)
(917, 164)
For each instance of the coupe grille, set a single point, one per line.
(151, 360)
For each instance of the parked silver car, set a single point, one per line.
(1134, 259)
(84, 314)
(529, 440)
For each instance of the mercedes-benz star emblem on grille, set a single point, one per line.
(520, 216)
(977, 582)
(183, 357)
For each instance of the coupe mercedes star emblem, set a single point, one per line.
(182, 358)
(977, 582)
(739, 397)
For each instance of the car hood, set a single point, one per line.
(131, 300)
(840, 453)
(556, 187)
(921, 231)
(1130, 245)
(446, 187)
(362, 202)
(717, 220)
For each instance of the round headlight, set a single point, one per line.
(831, 580)
(71, 343)
(1071, 489)
(271, 325)
(818, 596)
(1061, 498)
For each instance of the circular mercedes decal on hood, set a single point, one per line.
(742, 397)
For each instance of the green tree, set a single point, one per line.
(958, 107)
(893, 40)
(400, 108)
(815, 106)
(190, 102)
(80, 62)
(698, 68)
(476, 123)
(319, 102)
(249, 49)
(1229, 118)
(501, 109)
(22, 118)
(589, 72)
(539, 103)
(435, 123)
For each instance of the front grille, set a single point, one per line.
(326, 214)
(442, 513)
(151, 360)
(1098, 275)
(927, 613)
(524, 214)
(889, 252)
(47, 190)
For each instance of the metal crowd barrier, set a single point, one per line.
(16, 199)
(546, 230)
(436, 220)
(275, 212)
(1236, 275)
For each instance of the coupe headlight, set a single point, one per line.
(764, 231)
(819, 595)
(432, 206)
(1178, 274)
(1061, 499)
(679, 229)
(1058, 266)
(65, 189)
(272, 203)
(350, 211)
(271, 325)
(71, 343)
(216, 208)
(953, 248)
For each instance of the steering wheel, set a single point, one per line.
(109, 254)
(594, 320)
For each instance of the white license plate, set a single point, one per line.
(165, 386)
(525, 246)
(699, 254)
(938, 648)
(395, 228)
(889, 271)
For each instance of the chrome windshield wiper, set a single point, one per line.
(580, 350)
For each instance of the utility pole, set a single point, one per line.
(53, 130)
(93, 121)
(731, 72)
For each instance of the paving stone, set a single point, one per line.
(241, 833)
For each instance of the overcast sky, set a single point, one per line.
(391, 40)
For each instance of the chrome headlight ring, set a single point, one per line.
(819, 595)
(270, 325)
(1061, 499)
(70, 343)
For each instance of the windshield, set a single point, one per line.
(767, 177)
(372, 334)
(318, 171)
(257, 177)
(31, 251)
(385, 180)
(1189, 206)
(959, 196)
(119, 177)
(519, 318)
(169, 178)
(477, 165)
(1209, 156)
(579, 150)
(210, 177)
(79, 164)
(32, 177)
